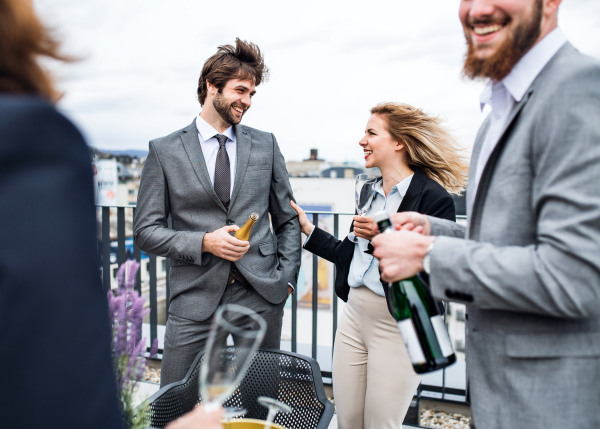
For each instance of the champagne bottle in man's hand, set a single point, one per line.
(419, 321)
(244, 232)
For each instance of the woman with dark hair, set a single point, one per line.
(373, 378)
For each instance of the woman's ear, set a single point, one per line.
(399, 146)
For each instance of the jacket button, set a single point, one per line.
(230, 222)
(234, 270)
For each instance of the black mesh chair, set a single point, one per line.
(288, 377)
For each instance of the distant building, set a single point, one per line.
(342, 171)
(310, 167)
(315, 167)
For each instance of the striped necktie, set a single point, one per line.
(222, 172)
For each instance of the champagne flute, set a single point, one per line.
(364, 191)
(223, 366)
(274, 407)
(230, 413)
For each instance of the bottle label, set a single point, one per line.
(442, 335)
(411, 341)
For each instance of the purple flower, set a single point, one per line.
(127, 312)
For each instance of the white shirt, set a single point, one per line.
(364, 268)
(502, 96)
(210, 147)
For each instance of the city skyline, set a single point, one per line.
(330, 63)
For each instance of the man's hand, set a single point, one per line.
(220, 243)
(365, 227)
(400, 254)
(198, 418)
(290, 290)
(412, 221)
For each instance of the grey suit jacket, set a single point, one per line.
(175, 183)
(528, 263)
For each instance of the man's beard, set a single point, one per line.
(224, 109)
(508, 54)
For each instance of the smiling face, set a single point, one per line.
(233, 100)
(379, 147)
(499, 33)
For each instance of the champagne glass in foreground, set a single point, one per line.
(274, 407)
(230, 413)
(363, 194)
(223, 366)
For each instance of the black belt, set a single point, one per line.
(235, 275)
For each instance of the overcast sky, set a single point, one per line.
(330, 62)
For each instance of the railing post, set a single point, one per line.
(121, 253)
(295, 321)
(315, 294)
(336, 233)
(137, 255)
(106, 274)
(167, 274)
(153, 299)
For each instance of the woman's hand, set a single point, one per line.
(365, 227)
(305, 224)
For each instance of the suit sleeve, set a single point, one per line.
(51, 299)
(284, 218)
(151, 231)
(442, 217)
(559, 276)
(322, 244)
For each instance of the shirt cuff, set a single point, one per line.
(308, 238)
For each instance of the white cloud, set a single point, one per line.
(330, 63)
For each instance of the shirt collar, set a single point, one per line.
(528, 68)
(400, 187)
(207, 131)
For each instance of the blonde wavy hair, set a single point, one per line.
(429, 145)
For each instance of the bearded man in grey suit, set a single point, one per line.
(208, 178)
(528, 263)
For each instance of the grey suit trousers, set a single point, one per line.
(185, 338)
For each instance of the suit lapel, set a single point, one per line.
(488, 171)
(414, 191)
(474, 157)
(191, 144)
(244, 147)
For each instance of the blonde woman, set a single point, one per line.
(420, 162)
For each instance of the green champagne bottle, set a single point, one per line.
(419, 321)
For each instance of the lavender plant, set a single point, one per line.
(126, 314)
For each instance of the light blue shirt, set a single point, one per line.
(364, 268)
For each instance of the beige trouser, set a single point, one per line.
(373, 379)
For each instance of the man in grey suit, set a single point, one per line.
(208, 178)
(528, 263)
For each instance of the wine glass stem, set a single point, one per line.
(270, 417)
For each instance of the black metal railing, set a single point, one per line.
(122, 256)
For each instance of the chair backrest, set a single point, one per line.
(288, 377)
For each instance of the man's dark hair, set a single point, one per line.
(242, 61)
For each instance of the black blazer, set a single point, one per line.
(54, 334)
(424, 195)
